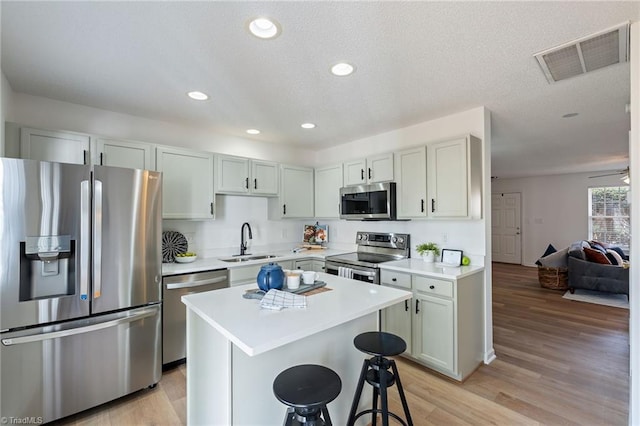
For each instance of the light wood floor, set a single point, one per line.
(558, 362)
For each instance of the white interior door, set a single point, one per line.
(505, 228)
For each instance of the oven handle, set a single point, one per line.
(333, 267)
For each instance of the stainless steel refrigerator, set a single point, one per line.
(80, 286)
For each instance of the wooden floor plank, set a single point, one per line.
(559, 362)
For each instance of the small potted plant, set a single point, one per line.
(428, 251)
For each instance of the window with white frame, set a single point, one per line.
(609, 215)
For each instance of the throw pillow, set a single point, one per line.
(597, 246)
(614, 254)
(555, 260)
(550, 249)
(620, 252)
(596, 256)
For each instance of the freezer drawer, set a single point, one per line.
(174, 316)
(55, 371)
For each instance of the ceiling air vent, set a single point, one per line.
(586, 54)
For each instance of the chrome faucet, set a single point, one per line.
(243, 243)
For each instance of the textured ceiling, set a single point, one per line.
(415, 61)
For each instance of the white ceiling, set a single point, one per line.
(415, 61)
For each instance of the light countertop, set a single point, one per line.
(256, 330)
(435, 269)
(213, 263)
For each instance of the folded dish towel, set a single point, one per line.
(345, 272)
(277, 300)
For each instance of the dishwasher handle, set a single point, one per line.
(197, 283)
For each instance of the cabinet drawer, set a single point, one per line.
(396, 279)
(428, 285)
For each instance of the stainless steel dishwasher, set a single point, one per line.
(174, 313)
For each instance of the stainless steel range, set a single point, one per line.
(373, 248)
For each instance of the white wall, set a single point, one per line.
(554, 208)
(44, 113)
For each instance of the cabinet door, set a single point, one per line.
(304, 264)
(264, 177)
(296, 194)
(411, 179)
(317, 265)
(232, 175)
(355, 173)
(434, 331)
(396, 320)
(447, 181)
(60, 147)
(380, 168)
(133, 155)
(187, 183)
(328, 181)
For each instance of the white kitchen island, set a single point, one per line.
(235, 349)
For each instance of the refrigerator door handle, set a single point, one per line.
(97, 239)
(80, 330)
(85, 230)
(195, 283)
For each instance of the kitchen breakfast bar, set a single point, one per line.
(235, 349)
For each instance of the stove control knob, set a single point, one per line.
(394, 240)
(365, 236)
(401, 240)
(359, 236)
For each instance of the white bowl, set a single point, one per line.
(186, 259)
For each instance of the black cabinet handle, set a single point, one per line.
(246, 183)
(84, 156)
(433, 205)
(211, 209)
(255, 184)
(417, 306)
(361, 174)
(422, 205)
(101, 157)
(432, 287)
(369, 172)
(284, 209)
(406, 306)
(394, 279)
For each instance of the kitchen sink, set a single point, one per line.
(248, 258)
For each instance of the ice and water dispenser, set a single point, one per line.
(47, 267)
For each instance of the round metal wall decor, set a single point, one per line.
(173, 243)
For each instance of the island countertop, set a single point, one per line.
(256, 330)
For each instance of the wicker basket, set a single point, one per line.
(553, 278)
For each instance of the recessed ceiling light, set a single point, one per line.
(264, 28)
(198, 96)
(342, 69)
(571, 114)
(307, 125)
(253, 131)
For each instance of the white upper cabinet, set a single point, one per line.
(373, 169)
(238, 175)
(454, 182)
(328, 181)
(61, 147)
(134, 155)
(295, 200)
(411, 179)
(187, 183)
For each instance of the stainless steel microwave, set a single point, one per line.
(368, 202)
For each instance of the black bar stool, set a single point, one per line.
(307, 389)
(375, 371)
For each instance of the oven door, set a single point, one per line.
(369, 275)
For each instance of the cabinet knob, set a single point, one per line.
(432, 287)
(394, 279)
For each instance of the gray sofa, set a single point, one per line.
(588, 275)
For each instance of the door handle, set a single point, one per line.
(196, 283)
(85, 230)
(97, 239)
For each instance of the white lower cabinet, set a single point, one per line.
(316, 265)
(249, 274)
(442, 324)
